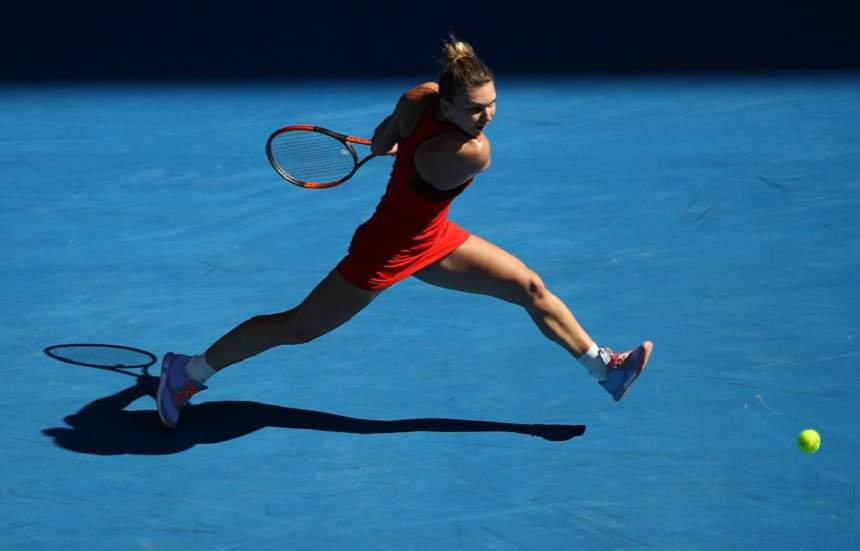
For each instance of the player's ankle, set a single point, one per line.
(594, 362)
(198, 369)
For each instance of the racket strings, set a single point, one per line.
(312, 157)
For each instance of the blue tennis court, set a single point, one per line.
(715, 216)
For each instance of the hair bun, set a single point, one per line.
(461, 68)
(457, 50)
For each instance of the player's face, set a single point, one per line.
(473, 109)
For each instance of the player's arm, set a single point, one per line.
(387, 134)
(450, 163)
(392, 129)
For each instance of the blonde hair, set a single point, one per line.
(461, 69)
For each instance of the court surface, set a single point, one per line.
(717, 217)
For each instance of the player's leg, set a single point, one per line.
(332, 303)
(478, 266)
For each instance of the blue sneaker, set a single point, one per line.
(622, 369)
(175, 388)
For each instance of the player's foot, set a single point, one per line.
(623, 368)
(175, 388)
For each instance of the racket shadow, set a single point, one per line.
(105, 427)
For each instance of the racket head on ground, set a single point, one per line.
(314, 157)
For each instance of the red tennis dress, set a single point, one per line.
(410, 228)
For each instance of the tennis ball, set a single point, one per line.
(809, 441)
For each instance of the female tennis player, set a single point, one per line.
(437, 134)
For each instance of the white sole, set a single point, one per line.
(649, 346)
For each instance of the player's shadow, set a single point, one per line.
(105, 427)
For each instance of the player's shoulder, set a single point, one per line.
(422, 93)
(412, 104)
(450, 159)
(473, 152)
(465, 148)
(416, 99)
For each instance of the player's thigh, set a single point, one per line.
(480, 267)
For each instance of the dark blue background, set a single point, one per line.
(252, 39)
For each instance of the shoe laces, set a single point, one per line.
(616, 359)
(182, 396)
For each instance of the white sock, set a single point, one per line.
(594, 362)
(198, 369)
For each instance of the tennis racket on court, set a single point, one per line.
(314, 157)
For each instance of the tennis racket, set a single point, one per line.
(313, 157)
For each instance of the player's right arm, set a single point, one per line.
(386, 135)
(400, 123)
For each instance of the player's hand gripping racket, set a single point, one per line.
(314, 157)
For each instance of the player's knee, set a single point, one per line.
(532, 289)
(288, 328)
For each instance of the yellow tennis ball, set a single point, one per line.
(809, 441)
